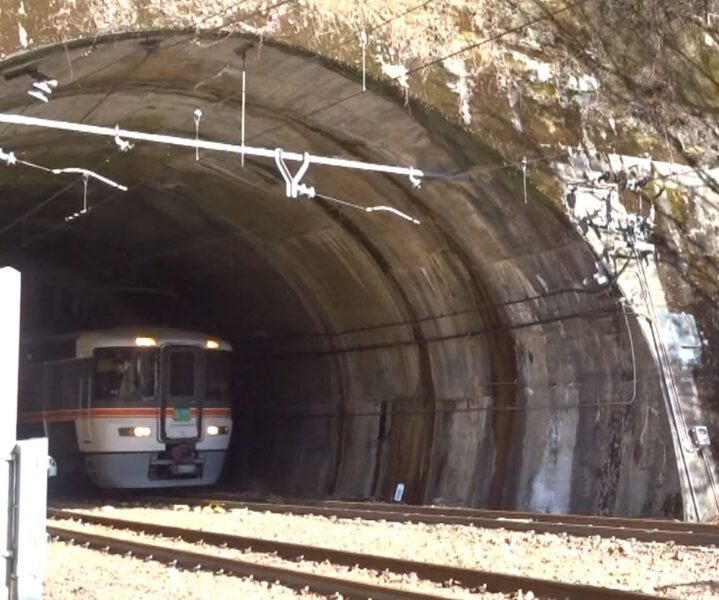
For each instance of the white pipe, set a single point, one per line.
(207, 145)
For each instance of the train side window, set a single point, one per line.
(125, 373)
(219, 376)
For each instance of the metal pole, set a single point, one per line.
(9, 351)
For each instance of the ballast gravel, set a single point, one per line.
(663, 569)
(400, 581)
(83, 574)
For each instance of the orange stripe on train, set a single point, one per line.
(109, 413)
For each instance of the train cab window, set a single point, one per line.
(219, 376)
(125, 373)
(182, 373)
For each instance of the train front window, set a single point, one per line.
(125, 373)
(182, 373)
(219, 369)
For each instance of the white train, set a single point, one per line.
(130, 407)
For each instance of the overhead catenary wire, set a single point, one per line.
(435, 61)
(477, 309)
(498, 36)
(491, 384)
(382, 24)
(13, 119)
(11, 160)
(38, 206)
(261, 10)
(369, 209)
(293, 181)
(266, 10)
(437, 175)
(68, 225)
(364, 34)
(702, 170)
(91, 174)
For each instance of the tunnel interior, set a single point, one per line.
(465, 357)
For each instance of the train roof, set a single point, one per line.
(87, 341)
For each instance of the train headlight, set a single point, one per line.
(212, 344)
(145, 342)
(217, 430)
(137, 431)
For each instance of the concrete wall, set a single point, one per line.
(462, 357)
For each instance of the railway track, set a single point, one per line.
(644, 530)
(299, 578)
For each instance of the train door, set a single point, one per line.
(181, 393)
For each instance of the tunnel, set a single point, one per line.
(472, 357)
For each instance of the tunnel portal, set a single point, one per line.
(465, 357)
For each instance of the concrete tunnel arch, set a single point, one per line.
(460, 357)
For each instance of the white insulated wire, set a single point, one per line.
(88, 173)
(394, 211)
(10, 159)
(369, 209)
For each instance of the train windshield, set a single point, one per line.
(219, 379)
(125, 373)
(182, 373)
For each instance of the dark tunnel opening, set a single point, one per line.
(461, 357)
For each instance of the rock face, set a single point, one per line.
(465, 357)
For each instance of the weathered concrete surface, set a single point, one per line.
(624, 239)
(456, 357)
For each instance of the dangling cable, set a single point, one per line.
(363, 44)
(524, 177)
(84, 193)
(84, 211)
(244, 100)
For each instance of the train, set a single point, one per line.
(131, 407)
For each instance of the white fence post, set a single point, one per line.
(9, 350)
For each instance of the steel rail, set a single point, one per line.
(654, 530)
(470, 578)
(296, 579)
(635, 523)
